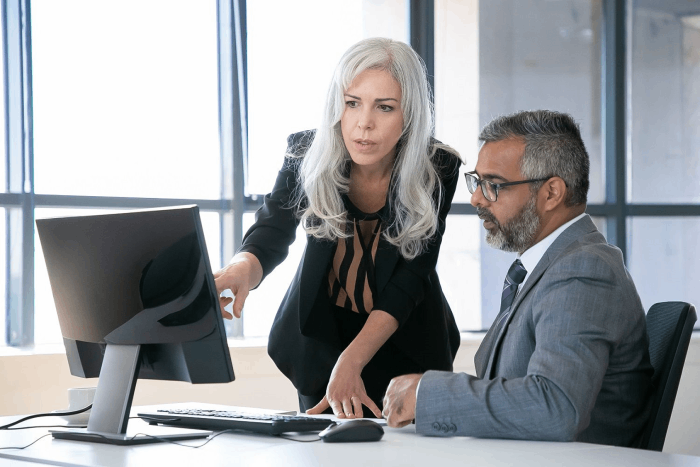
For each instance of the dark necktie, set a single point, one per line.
(514, 278)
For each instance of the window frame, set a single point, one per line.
(20, 201)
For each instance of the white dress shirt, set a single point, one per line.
(534, 254)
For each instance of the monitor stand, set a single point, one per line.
(109, 416)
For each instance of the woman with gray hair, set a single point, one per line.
(371, 188)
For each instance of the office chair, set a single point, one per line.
(669, 325)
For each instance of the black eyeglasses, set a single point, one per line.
(490, 189)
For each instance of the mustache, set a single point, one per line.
(485, 215)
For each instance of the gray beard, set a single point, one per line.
(516, 235)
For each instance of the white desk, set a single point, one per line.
(398, 447)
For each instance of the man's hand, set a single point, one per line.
(400, 400)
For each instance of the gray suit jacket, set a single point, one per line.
(571, 362)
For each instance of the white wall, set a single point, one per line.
(39, 383)
(683, 435)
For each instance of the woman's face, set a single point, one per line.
(373, 120)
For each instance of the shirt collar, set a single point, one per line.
(534, 254)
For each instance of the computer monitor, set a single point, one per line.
(135, 298)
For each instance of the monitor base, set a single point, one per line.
(148, 436)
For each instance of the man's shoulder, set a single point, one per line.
(589, 256)
(590, 276)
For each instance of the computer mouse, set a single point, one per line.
(352, 431)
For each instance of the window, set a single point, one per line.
(287, 84)
(122, 114)
(117, 105)
(133, 110)
(122, 104)
(659, 261)
(3, 258)
(495, 58)
(663, 130)
(3, 213)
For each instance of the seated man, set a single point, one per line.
(567, 356)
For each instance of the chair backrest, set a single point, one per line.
(669, 325)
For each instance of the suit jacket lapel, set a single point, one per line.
(573, 232)
(483, 356)
(313, 266)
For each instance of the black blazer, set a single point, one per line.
(304, 341)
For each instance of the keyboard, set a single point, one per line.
(219, 420)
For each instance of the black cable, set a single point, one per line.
(300, 440)
(50, 414)
(46, 426)
(211, 437)
(24, 447)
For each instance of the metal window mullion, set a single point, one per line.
(614, 115)
(422, 34)
(118, 202)
(611, 210)
(20, 170)
(232, 130)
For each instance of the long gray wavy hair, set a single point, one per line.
(324, 174)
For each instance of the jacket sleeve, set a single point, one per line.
(410, 279)
(276, 221)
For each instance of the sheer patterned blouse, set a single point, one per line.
(351, 281)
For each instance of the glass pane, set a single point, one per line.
(263, 302)
(663, 123)
(602, 224)
(3, 164)
(498, 57)
(212, 237)
(126, 98)
(288, 76)
(459, 266)
(457, 82)
(46, 328)
(3, 262)
(663, 258)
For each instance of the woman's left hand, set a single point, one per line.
(346, 392)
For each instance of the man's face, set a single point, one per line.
(512, 222)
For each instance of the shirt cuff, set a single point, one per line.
(415, 409)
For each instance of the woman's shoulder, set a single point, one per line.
(445, 158)
(299, 143)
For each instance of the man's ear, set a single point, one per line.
(553, 193)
